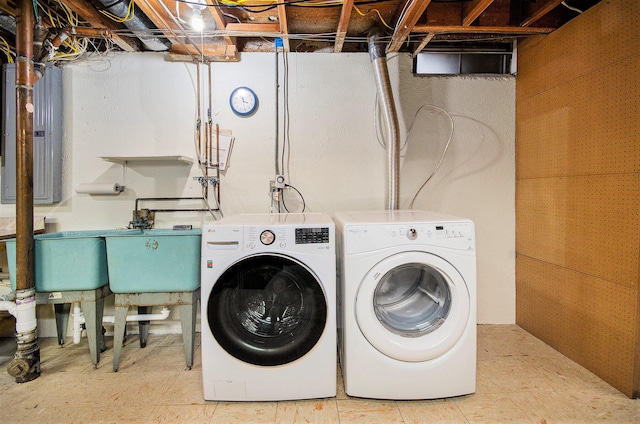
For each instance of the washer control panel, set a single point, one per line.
(267, 237)
(289, 237)
(312, 235)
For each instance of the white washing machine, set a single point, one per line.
(407, 304)
(269, 307)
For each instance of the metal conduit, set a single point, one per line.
(381, 72)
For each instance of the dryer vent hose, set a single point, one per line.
(381, 72)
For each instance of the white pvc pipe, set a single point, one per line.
(26, 315)
(164, 314)
(6, 305)
(78, 319)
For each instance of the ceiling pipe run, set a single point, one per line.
(377, 53)
(25, 365)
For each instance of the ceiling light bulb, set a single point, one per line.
(197, 23)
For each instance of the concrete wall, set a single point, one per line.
(142, 105)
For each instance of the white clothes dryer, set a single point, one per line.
(407, 304)
(268, 307)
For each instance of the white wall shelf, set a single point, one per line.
(180, 160)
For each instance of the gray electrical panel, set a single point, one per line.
(47, 136)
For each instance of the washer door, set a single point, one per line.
(267, 309)
(413, 306)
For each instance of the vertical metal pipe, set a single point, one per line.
(381, 72)
(26, 364)
(277, 156)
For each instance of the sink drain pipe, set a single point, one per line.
(381, 72)
(78, 319)
(26, 363)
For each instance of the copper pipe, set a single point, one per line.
(26, 364)
(218, 162)
(209, 120)
(88, 32)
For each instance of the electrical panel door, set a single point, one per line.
(47, 136)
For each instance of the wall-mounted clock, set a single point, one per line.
(243, 101)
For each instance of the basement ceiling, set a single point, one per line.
(231, 27)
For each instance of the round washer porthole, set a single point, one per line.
(413, 306)
(267, 310)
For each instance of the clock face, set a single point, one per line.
(243, 101)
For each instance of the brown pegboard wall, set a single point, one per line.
(583, 317)
(586, 126)
(590, 224)
(578, 191)
(606, 33)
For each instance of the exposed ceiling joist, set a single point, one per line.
(511, 30)
(253, 30)
(96, 20)
(218, 17)
(424, 43)
(343, 25)
(284, 28)
(213, 52)
(473, 10)
(233, 26)
(406, 21)
(160, 18)
(8, 6)
(539, 9)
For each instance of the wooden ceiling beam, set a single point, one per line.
(252, 30)
(406, 23)
(423, 43)
(343, 25)
(284, 27)
(538, 10)
(181, 45)
(507, 30)
(220, 23)
(8, 6)
(212, 52)
(473, 10)
(97, 20)
(160, 18)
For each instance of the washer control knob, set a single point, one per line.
(267, 237)
(412, 234)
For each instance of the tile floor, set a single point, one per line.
(520, 380)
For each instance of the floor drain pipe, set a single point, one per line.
(26, 364)
(377, 53)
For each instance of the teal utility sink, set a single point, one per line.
(154, 261)
(65, 261)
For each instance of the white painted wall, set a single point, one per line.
(141, 105)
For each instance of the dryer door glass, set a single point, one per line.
(414, 306)
(267, 310)
(412, 300)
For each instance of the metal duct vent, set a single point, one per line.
(466, 61)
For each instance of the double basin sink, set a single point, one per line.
(130, 261)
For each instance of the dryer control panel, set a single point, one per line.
(366, 238)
